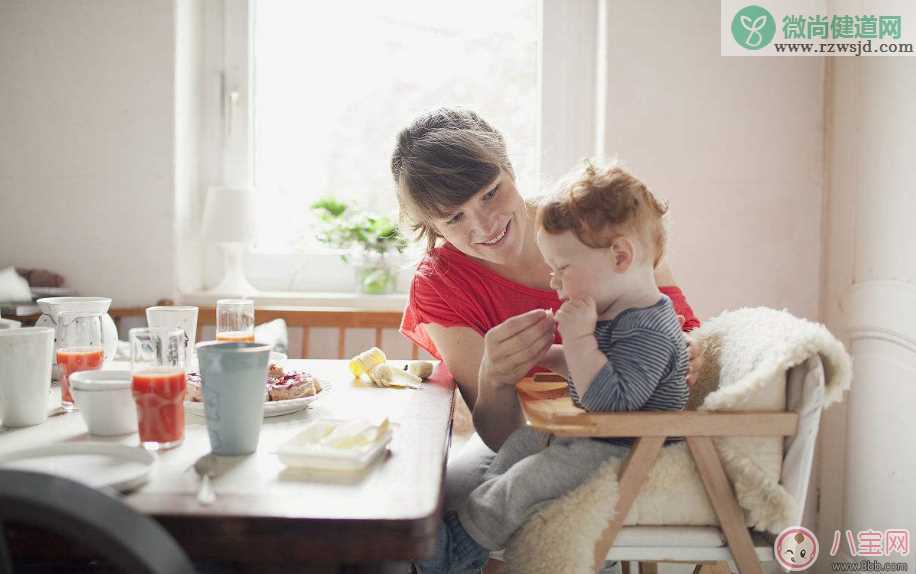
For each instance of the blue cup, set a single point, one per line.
(233, 376)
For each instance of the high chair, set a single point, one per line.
(547, 406)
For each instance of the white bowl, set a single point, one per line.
(106, 401)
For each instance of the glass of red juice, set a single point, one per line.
(235, 320)
(79, 348)
(157, 363)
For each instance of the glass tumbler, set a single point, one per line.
(157, 362)
(235, 321)
(79, 348)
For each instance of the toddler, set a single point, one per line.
(602, 235)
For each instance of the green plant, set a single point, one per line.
(343, 226)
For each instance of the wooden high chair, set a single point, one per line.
(547, 407)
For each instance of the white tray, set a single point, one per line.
(97, 465)
(299, 453)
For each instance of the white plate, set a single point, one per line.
(97, 465)
(271, 408)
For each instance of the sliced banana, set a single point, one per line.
(384, 376)
(421, 369)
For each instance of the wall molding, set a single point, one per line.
(883, 310)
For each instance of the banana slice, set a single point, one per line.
(381, 375)
(421, 369)
(385, 376)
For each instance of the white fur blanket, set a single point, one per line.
(746, 355)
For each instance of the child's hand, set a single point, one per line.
(577, 318)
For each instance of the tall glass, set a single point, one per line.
(177, 318)
(157, 362)
(79, 348)
(235, 320)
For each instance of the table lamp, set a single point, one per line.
(229, 220)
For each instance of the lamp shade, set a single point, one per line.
(229, 215)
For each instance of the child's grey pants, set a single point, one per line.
(530, 469)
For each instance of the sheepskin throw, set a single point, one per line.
(747, 354)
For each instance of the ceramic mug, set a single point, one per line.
(233, 377)
(25, 375)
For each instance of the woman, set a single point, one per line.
(479, 298)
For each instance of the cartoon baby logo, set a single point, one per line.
(796, 548)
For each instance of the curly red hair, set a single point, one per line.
(600, 204)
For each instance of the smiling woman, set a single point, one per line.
(482, 299)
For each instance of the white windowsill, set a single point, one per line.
(392, 302)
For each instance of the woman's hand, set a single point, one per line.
(515, 346)
(510, 350)
(694, 355)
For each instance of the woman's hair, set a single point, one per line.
(599, 204)
(440, 161)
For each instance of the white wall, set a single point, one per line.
(868, 459)
(735, 145)
(87, 144)
(189, 156)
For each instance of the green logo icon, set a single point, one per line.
(753, 27)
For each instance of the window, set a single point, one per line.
(314, 94)
(333, 84)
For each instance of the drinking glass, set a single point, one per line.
(157, 364)
(177, 318)
(79, 348)
(235, 320)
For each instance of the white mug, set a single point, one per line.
(25, 375)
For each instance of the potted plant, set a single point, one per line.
(373, 240)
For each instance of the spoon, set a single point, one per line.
(204, 467)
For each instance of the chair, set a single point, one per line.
(128, 540)
(711, 548)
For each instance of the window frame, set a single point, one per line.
(570, 85)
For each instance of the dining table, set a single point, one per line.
(269, 516)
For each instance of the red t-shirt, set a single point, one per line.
(453, 290)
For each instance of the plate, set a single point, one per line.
(98, 465)
(271, 408)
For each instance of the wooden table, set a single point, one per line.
(265, 512)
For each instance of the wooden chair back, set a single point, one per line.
(305, 318)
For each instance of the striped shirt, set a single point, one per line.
(646, 367)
